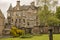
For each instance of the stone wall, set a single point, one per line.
(1, 22)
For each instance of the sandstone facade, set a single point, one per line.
(23, 16)
(26, 17)
(1, 23)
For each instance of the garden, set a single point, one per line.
(39, 37)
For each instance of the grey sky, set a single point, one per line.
(4, 4)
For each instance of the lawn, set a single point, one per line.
(40, 37)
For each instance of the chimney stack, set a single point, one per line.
(18, 2)
(33, 3)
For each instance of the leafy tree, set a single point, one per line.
(58, 12)
(47, 18)
(44, 15)
(53, 21)
(47, 2)
(50, 3)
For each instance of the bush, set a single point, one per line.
(20, 32)
(16, 32)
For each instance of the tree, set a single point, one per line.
(50, 3)
(47, 2)
(47, 18)
(44, 14)
(53, 21)
(58, 12)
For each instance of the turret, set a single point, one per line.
(10, 7)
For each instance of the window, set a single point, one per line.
(24, 20)
(16, 21)
(12, 20)
(19, 20)
(27, 23)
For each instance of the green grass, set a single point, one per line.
(40, 37)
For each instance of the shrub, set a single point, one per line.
(16, 32)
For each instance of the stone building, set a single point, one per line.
(1, 23)
(26, 17)
(23, 16)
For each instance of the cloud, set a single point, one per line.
(3, 7)
(26, 2)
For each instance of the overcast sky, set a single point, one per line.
(4, 4)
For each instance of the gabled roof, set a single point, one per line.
(18, 7)
(24, 7)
